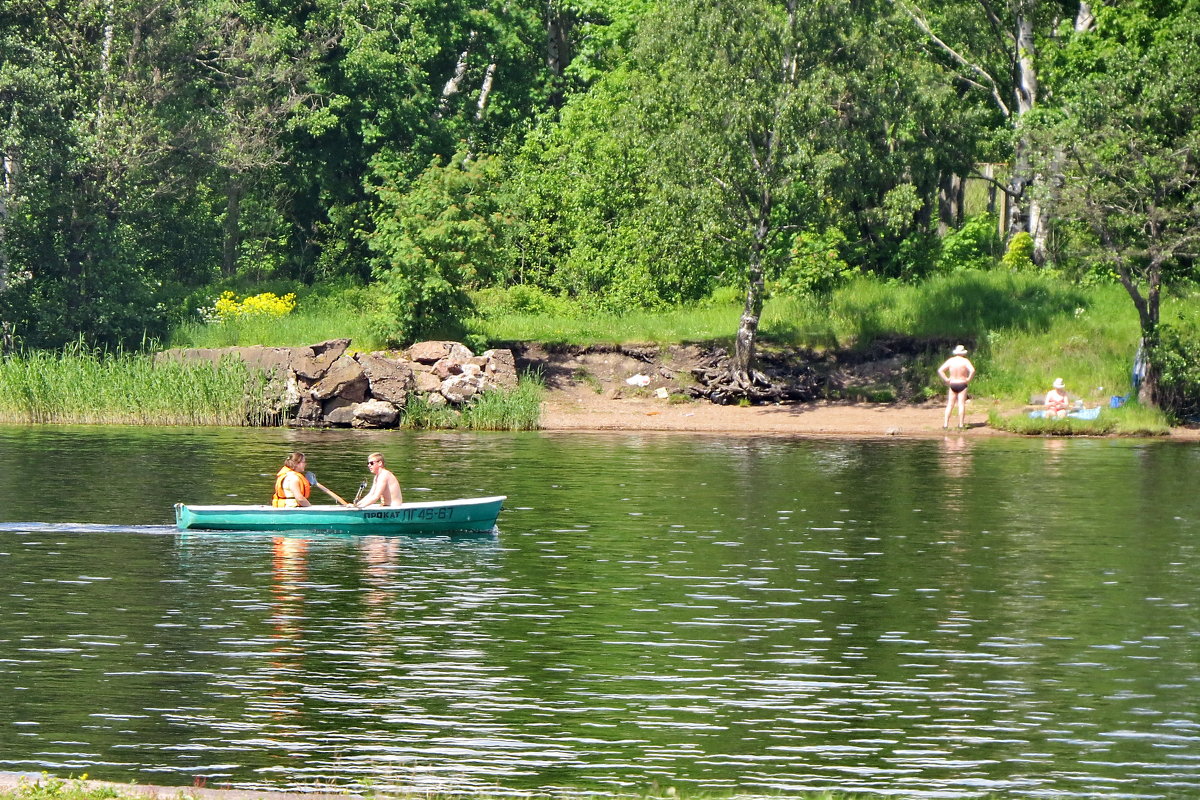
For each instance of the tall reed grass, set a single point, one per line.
(84, 387)
(517, 410)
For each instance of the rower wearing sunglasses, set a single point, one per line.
(385, 489)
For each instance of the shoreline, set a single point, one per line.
(581, 413)
(20, 783)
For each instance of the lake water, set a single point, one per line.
(944, 617)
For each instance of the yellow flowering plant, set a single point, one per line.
(267, 304)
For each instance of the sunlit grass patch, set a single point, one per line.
(682, 324)
(315, 319)
(1129, 420)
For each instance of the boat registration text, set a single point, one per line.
(411, 514)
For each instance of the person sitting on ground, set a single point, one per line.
(1057, 401)
(385, 489)
(291, 486)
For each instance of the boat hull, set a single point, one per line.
(471, 514)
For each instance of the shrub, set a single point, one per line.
(1177, 359)
(973, 246)
(1019, 255)
(521, 299)
(816, 265)
(267, 304)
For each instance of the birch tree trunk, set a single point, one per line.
(1024, 212)
(485, 91)
(8, 178)
(106, 46)
(233, 235)
(558, 47)
(454, 85)
(767, 173)
(744, 344)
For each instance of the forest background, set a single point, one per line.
(422, 163)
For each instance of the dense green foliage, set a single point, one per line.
(613, 156)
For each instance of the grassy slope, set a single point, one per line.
(1024, 329)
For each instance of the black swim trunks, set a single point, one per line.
(958, 386)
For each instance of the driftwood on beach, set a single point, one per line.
(327, 385)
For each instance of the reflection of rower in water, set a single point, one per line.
(385, 489)
(956, 373)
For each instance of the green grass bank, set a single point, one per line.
(1023, 328)
(78, 386)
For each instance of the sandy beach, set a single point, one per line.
(590, 411)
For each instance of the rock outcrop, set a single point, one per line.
(328, 385)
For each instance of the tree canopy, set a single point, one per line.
(619, 153)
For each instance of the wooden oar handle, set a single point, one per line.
(332, 494)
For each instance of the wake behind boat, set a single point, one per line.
(468, 514)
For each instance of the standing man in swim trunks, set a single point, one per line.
(956, 373)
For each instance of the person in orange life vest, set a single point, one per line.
(291, 486)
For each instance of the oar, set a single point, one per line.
(362, 487)
(313, 480)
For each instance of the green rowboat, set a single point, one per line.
(471, 514)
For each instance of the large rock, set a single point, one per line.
(389, 379)
(501, 368)
(432, 352)
(345, 379)
(275, 360)
(427, 382)
(445, 367)
(310, 413)
(459, 389)
(339, 411)
(375, 414)
(311, 363)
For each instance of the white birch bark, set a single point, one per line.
(1025, 93)
(1085, 20)
(454, 85)
(106, 46)
(485, 91)
(8, 178)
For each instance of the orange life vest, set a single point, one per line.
(281, 499)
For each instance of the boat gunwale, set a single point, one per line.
(481, 514)
(261, 507)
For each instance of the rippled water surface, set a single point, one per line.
(949, 617)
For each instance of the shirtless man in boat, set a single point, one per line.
(956, 373)
(385, 489)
